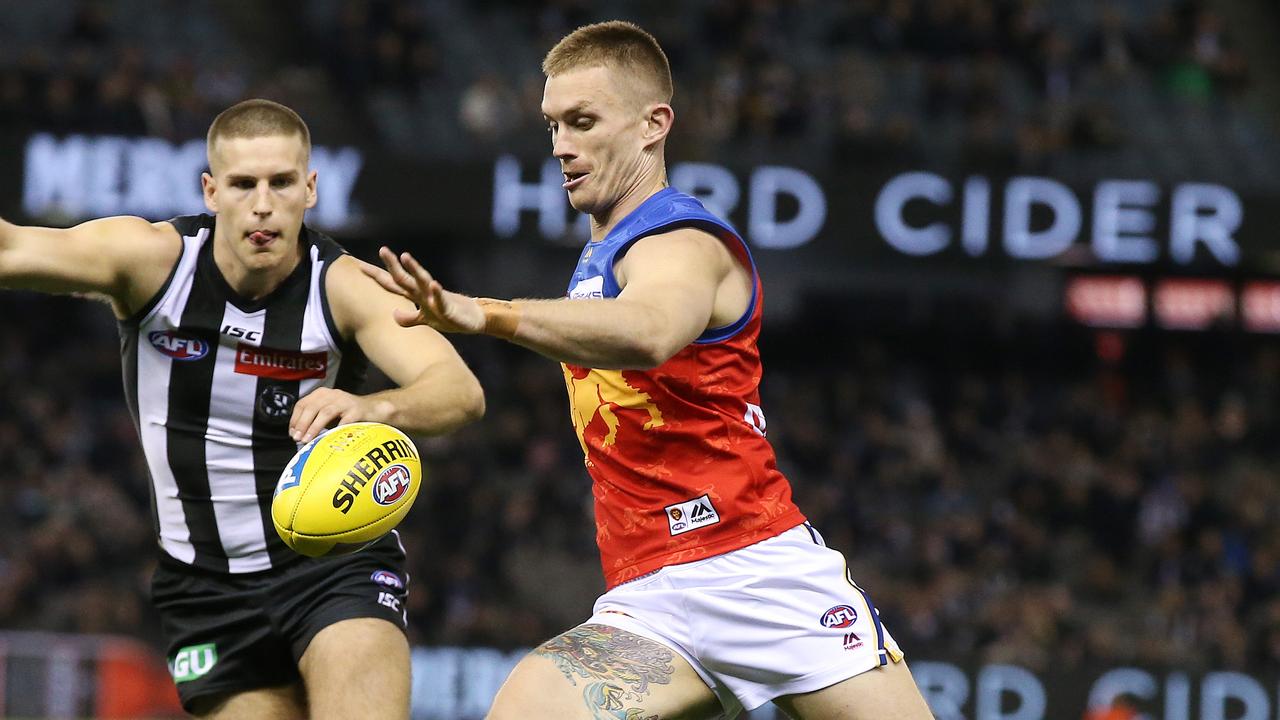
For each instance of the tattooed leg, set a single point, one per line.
(618, 667)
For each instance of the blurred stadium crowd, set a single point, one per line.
(1072, 89)
(998, 505)
(1065, 512)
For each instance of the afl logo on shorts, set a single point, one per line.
(840, 616)
(177, 346)
(275, 404)
(387, 578)
(391, 485)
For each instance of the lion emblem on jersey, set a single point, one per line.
(601, 393)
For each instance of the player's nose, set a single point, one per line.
(262, 201)
(562, 149)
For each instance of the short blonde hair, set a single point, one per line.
(257, 118)
(619, 45)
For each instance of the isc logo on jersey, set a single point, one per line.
(346, 488)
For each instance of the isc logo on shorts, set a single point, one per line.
(691, 515)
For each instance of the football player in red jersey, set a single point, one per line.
(720, 596)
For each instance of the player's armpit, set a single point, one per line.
(124, 258)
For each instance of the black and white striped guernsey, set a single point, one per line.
(211, 380)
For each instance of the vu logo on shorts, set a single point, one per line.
(192, 662)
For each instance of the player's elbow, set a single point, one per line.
(472, 405)
(467, 400)
(651, 350)
(6, 249)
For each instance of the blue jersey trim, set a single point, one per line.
(664, 211)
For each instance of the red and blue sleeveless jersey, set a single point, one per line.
(679, 463)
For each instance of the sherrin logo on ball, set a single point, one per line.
(346, 489)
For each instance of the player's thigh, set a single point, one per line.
(276, 703)
(597, 671)
(887, 692)
(357, 668)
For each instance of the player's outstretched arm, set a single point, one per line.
(124, 258)
(670, 284)
(438, 392)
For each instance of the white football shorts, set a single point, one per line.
(775, 618)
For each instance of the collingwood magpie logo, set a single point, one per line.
(275, 404)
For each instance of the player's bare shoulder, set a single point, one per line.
(145, 254)
(687, 252)
(354, 298)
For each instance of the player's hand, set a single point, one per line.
(324, 407)
(437, 308)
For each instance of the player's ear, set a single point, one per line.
(312, 197)
(658, 120)
(210, 191)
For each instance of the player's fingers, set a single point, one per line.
(406, 318)
(323, 419)
(397, 270)
(304, 413)
(383, 278)
(435, 298)
(388, 258)
(416, 270)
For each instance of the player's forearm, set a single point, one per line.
(442, 400)
(613, 334)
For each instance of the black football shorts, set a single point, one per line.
(230, 633)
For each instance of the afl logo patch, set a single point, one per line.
(275, 404)
(178, 346)
(391, 485)
(840, 616)
(387, 578)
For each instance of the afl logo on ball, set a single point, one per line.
(840, 616)
(275, 404)
(391, 485)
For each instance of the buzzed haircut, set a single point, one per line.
(615, 44)
(257, 118)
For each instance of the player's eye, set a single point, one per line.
(281, 182)
(242, 184)
(585, 123)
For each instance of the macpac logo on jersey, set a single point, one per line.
(387, 579)
(280, 364)
(840, 616)
(178, 346)
(192, 662)
(391, 485)
(691, 515)
(592, 287)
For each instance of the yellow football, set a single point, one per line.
(346, 488)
